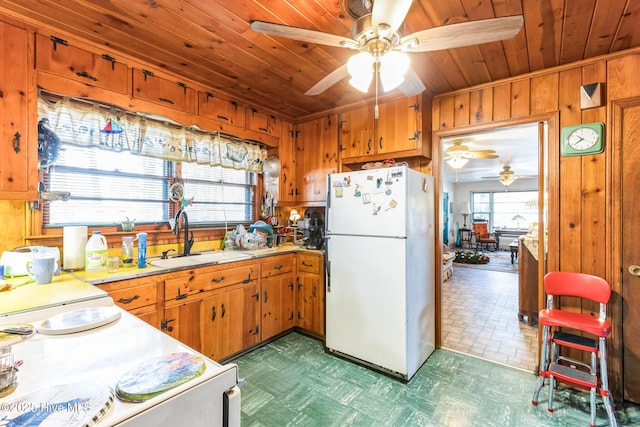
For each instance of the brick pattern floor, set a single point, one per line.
(480, 318)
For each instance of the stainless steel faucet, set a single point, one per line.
(188, 241)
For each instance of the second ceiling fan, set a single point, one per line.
(507, 176)
(382, 47)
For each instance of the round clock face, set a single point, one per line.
(583, 138)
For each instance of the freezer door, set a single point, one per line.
(367, 202)
(366, 302)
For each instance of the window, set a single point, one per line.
(512, 210)
(112, 177)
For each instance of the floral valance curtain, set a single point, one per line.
(113, 129)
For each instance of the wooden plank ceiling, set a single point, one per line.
(210, 41)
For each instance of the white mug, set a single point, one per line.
(41, 269)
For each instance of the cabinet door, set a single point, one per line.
(262, 122)
(356, 132)
(230, 321)
(287, 191)
(289, 302)
(182, 322)
(271, 306)
(220, 108)
(169, 93)
(316, 157)
(399, 124)
(310, 298)
(278, 304)
(19, 159)
(311, 303)
(55, 55)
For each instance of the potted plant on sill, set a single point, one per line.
(128, 224)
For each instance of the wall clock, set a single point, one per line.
(583, 139)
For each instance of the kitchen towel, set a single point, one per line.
(74, 240)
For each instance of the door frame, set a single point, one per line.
(616, 273)
(548, 166)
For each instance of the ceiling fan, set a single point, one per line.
(507, 176)
(458, 154)
(378, 38)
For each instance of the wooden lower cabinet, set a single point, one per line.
(310, 298)
(139, 297)
(222, 320)
(183, 322)
(230, 321)
(278, 304)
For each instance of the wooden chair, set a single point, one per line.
(482, 236)
(555, 366)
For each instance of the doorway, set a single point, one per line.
(480, 307)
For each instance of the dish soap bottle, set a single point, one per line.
(96, 253)
(142, 250)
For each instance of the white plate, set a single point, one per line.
(79, 320)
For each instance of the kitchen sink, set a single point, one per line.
(199, 259)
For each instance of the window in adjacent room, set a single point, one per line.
(506, 210)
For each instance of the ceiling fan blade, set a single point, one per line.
(486, 156)
(464, 34)
(482, 152)
(390, 12)
(301, 34)
(332, 78)
(412, 85)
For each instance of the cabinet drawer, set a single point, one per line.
(309, 264)
(202, 280)
(56, 56)
(262, 122)
(135, 297)
(162, 91)
(273, 266)
(221, 109)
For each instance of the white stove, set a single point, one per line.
(104, 354)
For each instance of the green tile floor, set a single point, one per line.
(293, 382)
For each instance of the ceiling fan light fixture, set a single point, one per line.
(360, 67)
(508, 180)
(393, 67)
(457, 162)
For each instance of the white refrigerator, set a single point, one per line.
(380, 298)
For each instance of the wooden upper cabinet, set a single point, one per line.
(262, 122)
(357, 132)
(220, 108)
(55, 55)
(316, 157)
(287, 190)
(18, 137)
(162, 91)
(399, 125)
(396, 132)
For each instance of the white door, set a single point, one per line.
(365, 300)
(371, 203)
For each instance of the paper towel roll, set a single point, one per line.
(74, 240)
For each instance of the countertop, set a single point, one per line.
(31, 295)
(78, 285)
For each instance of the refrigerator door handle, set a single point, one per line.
(327, 264)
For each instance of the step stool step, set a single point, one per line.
(573, 375)
(575, 341)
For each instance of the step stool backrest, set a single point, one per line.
(565, 283)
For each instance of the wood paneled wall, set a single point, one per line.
(581, 201)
